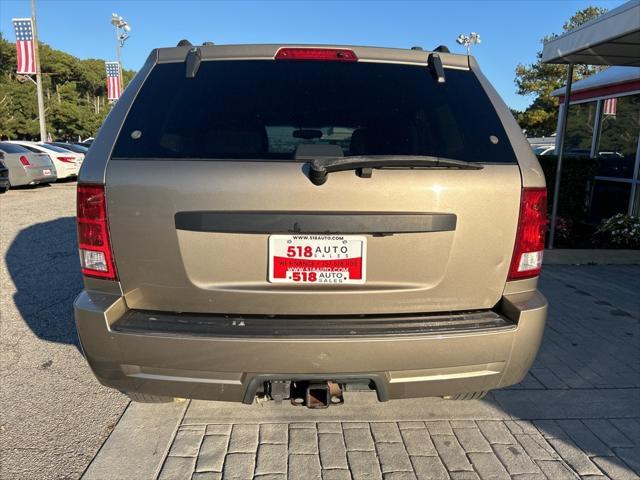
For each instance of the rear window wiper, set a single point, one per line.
(321, 167)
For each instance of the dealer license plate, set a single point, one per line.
(317, 259)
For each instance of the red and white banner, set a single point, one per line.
(25, 52)
(610, 106)
(113, 80)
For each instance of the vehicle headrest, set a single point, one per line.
(236, 141)
(382, 141)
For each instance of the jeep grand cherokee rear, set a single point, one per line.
(286, 220)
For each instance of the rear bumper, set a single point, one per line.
(230, 367)
(36, 175)
(67, 170)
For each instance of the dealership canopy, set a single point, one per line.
(610, 39)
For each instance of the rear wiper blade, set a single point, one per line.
(321, 167)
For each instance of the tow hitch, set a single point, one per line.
(317, 395)
(303, 393)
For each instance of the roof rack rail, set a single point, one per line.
(184, 43)
(442, 49)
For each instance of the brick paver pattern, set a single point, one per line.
(563, 449)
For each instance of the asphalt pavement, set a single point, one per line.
(54, 415)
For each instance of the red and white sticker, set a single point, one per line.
(317, 259)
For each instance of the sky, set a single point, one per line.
(510, 30)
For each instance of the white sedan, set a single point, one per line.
(67, 163)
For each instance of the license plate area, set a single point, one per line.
(317, 259)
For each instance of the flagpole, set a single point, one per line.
(36, 54)
(119, 56)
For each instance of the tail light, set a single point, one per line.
(96, 255)
(67, 159)
(24, 161)
(332, 54)
(532, 225)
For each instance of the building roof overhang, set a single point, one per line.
(610, 39)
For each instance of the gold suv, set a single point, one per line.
(289, 221)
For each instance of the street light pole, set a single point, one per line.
(36, 54)
(119, 54)
(120, 23)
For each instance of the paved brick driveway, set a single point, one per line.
(403, 450)
(575, 415)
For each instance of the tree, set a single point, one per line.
(74, 95)
(541, 116)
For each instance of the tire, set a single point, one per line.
(468, 396)
(147, 398)
(3, 190)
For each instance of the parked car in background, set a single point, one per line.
(27, 167)
(67, 163)
(577, 152)
(544, 150)
(74, 147)
(4, 175)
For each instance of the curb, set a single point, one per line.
(591, 257)
(138, 444)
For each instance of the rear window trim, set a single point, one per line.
(423, 62)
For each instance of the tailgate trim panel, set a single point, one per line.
(314, 222)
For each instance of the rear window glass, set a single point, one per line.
(265, 109)
(67, 147)
(13, 148)
(33, 149)
(56, 148)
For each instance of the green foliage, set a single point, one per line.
(540, 118)
(620, 231)
(577, 175)
(564, 228)
(74, 95)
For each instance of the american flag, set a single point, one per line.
(610, 106)
(24, 46)
(113, 80)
